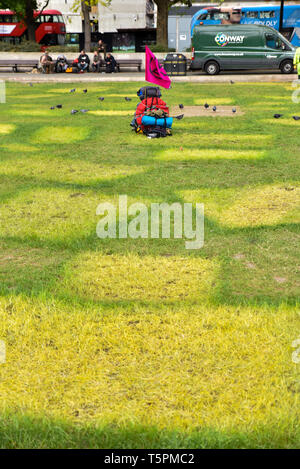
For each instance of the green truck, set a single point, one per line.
(240, 47)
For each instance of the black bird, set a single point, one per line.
(52, 107)
(181, 106)
(127, 99)
(101, 98)
(74, 111)
(296, 118)
(59, 106)
(277, 116)
(85, 91)
(179, 117)
(214, 108)
(232, 82)
(206, 106)
(73, 90)
(233, 110)
(84, 110)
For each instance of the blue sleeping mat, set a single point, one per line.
(148, 120)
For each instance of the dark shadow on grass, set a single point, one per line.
(33, 277)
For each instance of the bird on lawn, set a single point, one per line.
(233, 109)
(52, 107)
(232, 82)
(73, 90)
(214, 108)
(101, 98)
(85, 91)
(296, 118)
(181, 106)
(84, 110)
(127, 99)
(277, 116)
(59, 106)
(206, 106)
(74, 111)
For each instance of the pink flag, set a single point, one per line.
(154, 72)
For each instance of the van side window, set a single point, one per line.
(267, 14)
(272, 42)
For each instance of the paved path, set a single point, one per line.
(127, 77)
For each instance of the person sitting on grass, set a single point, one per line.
(46, 63)
(110, 63)
(96, 62)
(83, 62)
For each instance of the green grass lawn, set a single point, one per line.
(142, 343)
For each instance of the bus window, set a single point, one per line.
(252, 14)
(272, 41)
(58, 19)
(202, 17)
(48, 19)
(6, 19)
(210, 16)
(267, 14)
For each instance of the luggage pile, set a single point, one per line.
(152, 114)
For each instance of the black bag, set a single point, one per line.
(149, 92)
(155, 132)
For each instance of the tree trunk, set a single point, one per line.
(87, 26)
(29, 19)
(162, 22)
(281, 16)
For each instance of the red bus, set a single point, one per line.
(50, 27)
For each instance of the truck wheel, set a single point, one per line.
(287, 67)
(212, 68)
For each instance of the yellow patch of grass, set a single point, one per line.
(67, 170)
(19, 148)
(112, 113)
(102, 277)
(79, 88)
(122, 95)
(29, 96)
(53, 213)
(235, 140)
(50, 134)
(176, 369)
(213, 101)
(267, 205)
(32, 112)
(187, 154)
(6, 128)
(282, 121)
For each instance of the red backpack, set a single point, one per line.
(147, 105)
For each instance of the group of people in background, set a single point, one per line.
(82, 63)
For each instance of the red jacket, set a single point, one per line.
(149, 103)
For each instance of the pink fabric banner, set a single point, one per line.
(154, 72)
